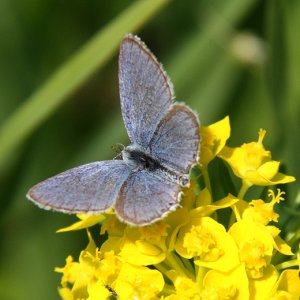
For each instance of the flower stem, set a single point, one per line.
(206, 178)
(201, 271)
(176, 264)
(244, 188)
(162, 269)
(187, 265)
(287, 264)
(168, 289)
(234, 215)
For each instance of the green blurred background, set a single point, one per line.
(237, 57)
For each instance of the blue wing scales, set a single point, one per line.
(145, 90)
(144, 199)
(175, 142)
(90, 188)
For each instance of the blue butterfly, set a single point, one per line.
(145, 185)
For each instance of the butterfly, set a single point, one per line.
(145, 185)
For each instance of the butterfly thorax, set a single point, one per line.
(139, 159)
(136, 157)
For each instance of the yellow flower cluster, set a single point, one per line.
(191, 255)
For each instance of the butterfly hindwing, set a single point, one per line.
(144, 198)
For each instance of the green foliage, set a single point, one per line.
(60, 106)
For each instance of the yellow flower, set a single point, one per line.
(97, 274)
(97, 291)
(255, 244)
(176, 220)
(185, 288)
(287, 286)
(80, 274)
(137, 282)
(213, 139)
(262, 212)
(183, 216)
(155, 232)
(139, 249)
(90, 274)
(260, 288)
(226, 285)
(138, 245)
(208, 242)
(113, 226)
(65, 293)
(253, 164)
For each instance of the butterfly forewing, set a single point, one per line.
(90, 188)
(145, 90)
(144, 198)
(176, 140)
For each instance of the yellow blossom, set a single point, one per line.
(260, 288)
(90, 272)
(262, 212)
(226, 285)
(141, 252)
(253, 164)
(287, 286)
(91, 276)
(191, 203)
(65, 293)
(176, 221)
(154, 232)
(79, 274)
(185, 288)
(113, 226)
(213, 140)
(208, 242)
(115, 230)
(98, 291)
(183, 216)
(255, 244)
(137, 282)
(139, 245)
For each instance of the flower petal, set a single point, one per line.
(213, 140)
(85, 222)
